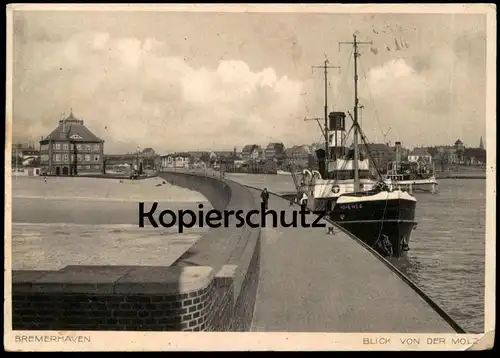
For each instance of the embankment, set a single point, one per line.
(461, 175)
(212, 287)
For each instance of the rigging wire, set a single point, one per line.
(369, 154)
(336, 96)
(371, 99)
(337, 93)
(366, 141)
(343, 79)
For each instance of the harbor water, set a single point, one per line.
(447, 256)
(447, 249)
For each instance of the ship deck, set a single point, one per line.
(415, 181)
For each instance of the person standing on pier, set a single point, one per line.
(265, 197)
(303, 200)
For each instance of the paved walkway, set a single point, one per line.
(314, 282)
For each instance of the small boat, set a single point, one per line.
(283, 172)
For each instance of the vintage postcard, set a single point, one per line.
(250, 177)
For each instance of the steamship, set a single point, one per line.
(380, 216)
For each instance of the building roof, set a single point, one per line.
(297, 150)
(275, 145)
(458, 142)
(302, 147)
(177, 155)
(75, 129)
(196, 153)
(378, 147)
(249, 147)
(420, 152)
(29, 152)
(224, 153)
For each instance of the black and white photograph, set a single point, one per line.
(324, 174)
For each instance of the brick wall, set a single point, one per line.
(93, 298)
(182, 297)
(245, 303)
(39, 311)
(113, 298)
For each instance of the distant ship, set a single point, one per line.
(410, 176)
(381, 216)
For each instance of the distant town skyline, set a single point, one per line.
(36, 145)
(212, 81)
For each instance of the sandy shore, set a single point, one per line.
(54, 246)
(85, 221)
(101, 189)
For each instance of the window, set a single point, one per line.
(87, 167)
(79, 167)
(88, 147)
(57, 157)
(96, 148)
(79, 147)
(87, 157)
(79, 157)
(65, 146)
(57, 146)
(96, 166)
(96, 157)
(72, 157)
(65, 157)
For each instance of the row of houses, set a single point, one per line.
(299, 155)
(71, 148)
(441, 156)
(303, 155)
(457, 154)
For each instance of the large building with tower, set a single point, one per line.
(71, 149)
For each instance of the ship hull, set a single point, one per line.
(384, 221)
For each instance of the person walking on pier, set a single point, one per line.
(265, 197)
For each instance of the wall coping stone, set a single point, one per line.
(227, 271)
(163, 280)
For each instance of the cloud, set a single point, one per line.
(428, 94)
(186, 88)
(146, 96)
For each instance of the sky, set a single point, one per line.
(178, 81)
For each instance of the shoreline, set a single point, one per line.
(461, 176)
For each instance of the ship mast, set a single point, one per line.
(325, 67)
(355, 44)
